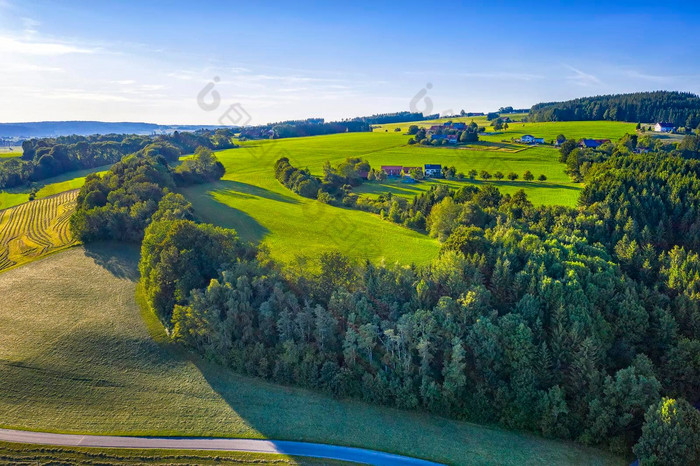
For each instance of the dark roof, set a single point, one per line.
(667, 125)
(432, 166)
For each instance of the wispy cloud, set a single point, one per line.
(503, 75)
(10, 45)
(581, 77)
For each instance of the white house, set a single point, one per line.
(664, 127)
(529, 139)
(432, 170)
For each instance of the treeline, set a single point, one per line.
(337, 181)
(310, 127)
(48, 157)
(120, 204)
(397, 117)
(680, 108)
(318, 126)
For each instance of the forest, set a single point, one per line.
(679, 108)
(137, 190)
(576, 323)
(47, 157)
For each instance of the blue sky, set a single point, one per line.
(148, 61)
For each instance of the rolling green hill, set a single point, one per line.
(251, 200)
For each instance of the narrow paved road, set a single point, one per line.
(316, 450)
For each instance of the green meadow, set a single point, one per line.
(48, 187)
(250, 199)
(9, 152)
(68, 364)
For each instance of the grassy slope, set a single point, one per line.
(48, 187)
(252, 201)
(75, 356)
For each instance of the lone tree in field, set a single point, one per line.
(498, 175)
(417, 173)
(512, 176)
(472, 174)
(671, 434)
(542, 177)
(528, 176)
(485, 175)
(561, 138)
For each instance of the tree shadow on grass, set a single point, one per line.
(249, 191)
(515, 184)
(119, 258)
(211, 210)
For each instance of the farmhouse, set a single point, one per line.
(433, 170)
(452, 139)
(592, 143)
(530, 139)
(664, 127)
(392, 170)
(407, 170)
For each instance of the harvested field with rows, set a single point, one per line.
(36, 228)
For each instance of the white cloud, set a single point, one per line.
(582, 78)
(10, 45)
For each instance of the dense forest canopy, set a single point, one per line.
(682, 109)
(122, 203)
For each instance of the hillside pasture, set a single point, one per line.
(250, 199)
(35, 229)
(75, 342)
(479, 120)
(48, 187)
(9, 152)
(613, 130)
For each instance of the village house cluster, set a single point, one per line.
(430, 170)
(442, 132)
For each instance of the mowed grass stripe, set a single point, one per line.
(35, 228)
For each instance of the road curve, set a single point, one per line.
(315, 450)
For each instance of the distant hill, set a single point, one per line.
(679, 108)
(85, 128)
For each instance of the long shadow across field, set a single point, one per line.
(120, 259)
(213, 211)
(249, 191)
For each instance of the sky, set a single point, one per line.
(230, 62)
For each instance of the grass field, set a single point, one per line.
(35, 229)
(48, 187)
(253, 202)
(13, 453)
(8, 152)
(480, 120)
(250, 200)
(77, 356)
